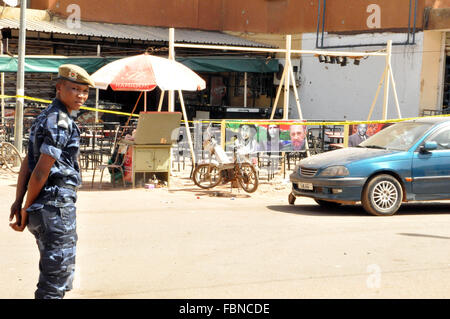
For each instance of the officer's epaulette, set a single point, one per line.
(63, 120)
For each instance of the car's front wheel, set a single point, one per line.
(382, 196)
(291, 199)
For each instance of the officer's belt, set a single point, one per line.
(61, 184)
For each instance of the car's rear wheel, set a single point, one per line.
(382, 196)
(327, 204)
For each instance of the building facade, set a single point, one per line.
(419, 30)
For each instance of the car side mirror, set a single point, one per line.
(428, 146)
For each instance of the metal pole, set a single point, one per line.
(287, 66)
(97, 92)
(414, 23)
(171, 57)
(245, 89)
(442, 58)
(323, 22)
(318, 24)
(18, 127)
(3, 100)
(2, 87)
(186, 123)
(409, 22)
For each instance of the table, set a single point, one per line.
(337, 139)
(91, 148)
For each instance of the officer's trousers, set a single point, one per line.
(55, 231)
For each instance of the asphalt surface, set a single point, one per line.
(190, 243)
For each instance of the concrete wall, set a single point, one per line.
(329, 91)
(432, 70)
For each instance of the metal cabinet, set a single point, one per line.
(149, 158)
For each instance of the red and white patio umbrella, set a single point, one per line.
(144, 72)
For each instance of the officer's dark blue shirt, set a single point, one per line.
(55, 133)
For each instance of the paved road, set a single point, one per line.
(189, 243)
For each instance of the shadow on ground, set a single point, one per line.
(105, 186)
(213, 192)
(316, 210)
(358, 210)
(423, 235)
(219, 191)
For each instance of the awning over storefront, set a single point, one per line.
(230, 64)
(50, 64)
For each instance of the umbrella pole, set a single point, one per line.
(161, 99)
(132, 112)
(186, 123)
(145, 101)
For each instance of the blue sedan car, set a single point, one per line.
(407, 161)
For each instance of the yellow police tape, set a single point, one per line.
(83, 107)
(259, 122)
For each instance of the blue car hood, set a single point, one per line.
(343, 156)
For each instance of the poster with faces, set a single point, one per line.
(252, 137)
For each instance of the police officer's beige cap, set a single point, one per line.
(76, 74)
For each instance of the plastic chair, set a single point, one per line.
(116, 165)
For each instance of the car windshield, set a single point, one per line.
(400, 136)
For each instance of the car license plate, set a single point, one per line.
(307, 186)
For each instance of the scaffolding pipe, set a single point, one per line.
(395, 92)
(386, 80)
(273, 50)
(171, 106)
(376, 94)
(287, 79)
(277, 97)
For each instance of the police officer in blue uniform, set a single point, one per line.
(49, 177)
